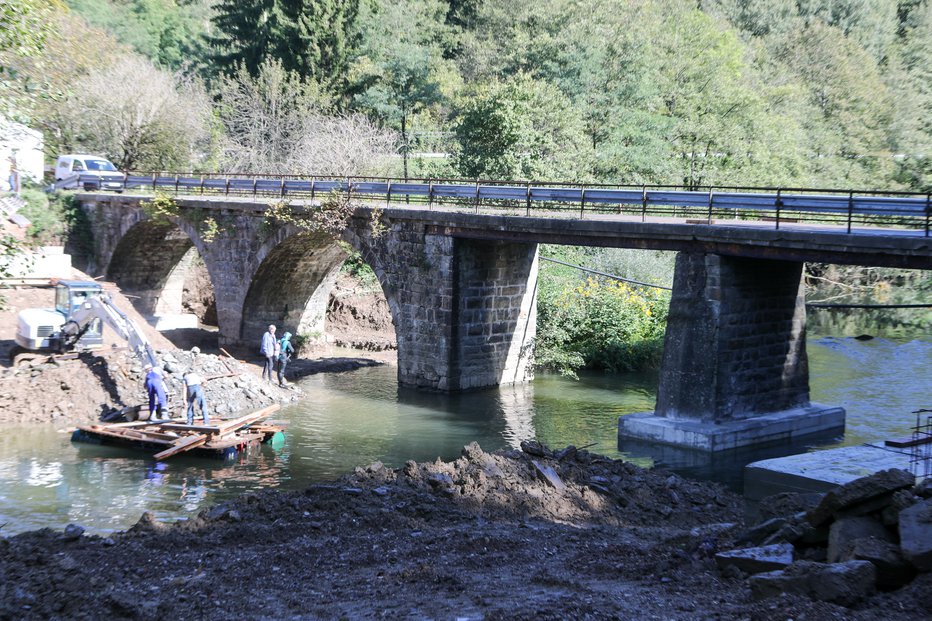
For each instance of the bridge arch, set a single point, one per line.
(293, 276)
(152, 261)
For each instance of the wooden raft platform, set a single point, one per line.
(222, 438)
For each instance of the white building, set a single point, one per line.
(21, 146)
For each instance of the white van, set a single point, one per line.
(105, 174)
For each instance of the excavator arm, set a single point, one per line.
(102, 307)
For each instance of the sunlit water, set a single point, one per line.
(355, 418)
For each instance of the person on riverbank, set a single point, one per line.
(267, 349)
(155, 387)
(194, 393)
(285, 349)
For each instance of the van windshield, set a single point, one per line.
(99, 165)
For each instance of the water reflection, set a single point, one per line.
(355, 418)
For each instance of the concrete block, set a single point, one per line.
(756, 560)
(783, 426)
(860, 491)
(818, 471)
(845, 532)
(916, 534)
(893, 570)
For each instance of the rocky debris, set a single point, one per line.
(879, 521)
(847, 531)
(103, 382)
(787, 503)
(756, 560)
(915, 530)
(861, 496)
(229, 388)
(72, 532)
(839, 583)
(536, 483)
(893, 570)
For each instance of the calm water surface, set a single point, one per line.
(355, 418)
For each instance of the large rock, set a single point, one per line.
(860, 491)
(839, 583)
(901, 500)
(756, 560)
(893, 570)
(916, 534)
(846, 531)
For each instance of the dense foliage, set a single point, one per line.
(830, 93)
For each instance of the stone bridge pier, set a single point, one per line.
(464, 310)
(735, 370)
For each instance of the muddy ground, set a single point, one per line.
(487, 536)
(66, 392)
(483, 537)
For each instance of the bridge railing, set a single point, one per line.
(782, 206)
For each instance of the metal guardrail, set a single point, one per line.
(781, 205)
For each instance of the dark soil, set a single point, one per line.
(482, 537)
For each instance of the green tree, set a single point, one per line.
(250, 32)
(847, 109)
(171, 33)
(873, 23)
(319, 38)
(520, 129)
(400, 71)
(24, 26)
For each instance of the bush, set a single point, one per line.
(601, 323)
(47, 218)
(608, 325)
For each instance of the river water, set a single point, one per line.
(355, 418)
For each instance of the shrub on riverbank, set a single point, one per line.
(608, 325)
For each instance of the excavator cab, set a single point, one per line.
(70, 297)
(82, 308)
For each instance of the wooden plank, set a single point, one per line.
(222, 443)
(128, 435)
(225, 426)
(907, 442)
(248, 419)
(186, 427)
(184, 444)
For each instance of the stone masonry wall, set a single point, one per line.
(464, 311)
(735, 341)
(495, 312)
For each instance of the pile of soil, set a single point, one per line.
(198, 294)
(513, 535)
(80, 390)
(90, 387)
(359, 317)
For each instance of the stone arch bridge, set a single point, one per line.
(462, 292)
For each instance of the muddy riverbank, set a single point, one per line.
(512, 535)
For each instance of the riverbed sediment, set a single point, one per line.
(532, 534)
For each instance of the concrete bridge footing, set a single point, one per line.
(735, 370)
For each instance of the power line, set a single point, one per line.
(820, 305)
(612, 276)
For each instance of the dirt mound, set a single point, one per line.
(359, 317)
(81, 390)
(570, 486)
(487, 536)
